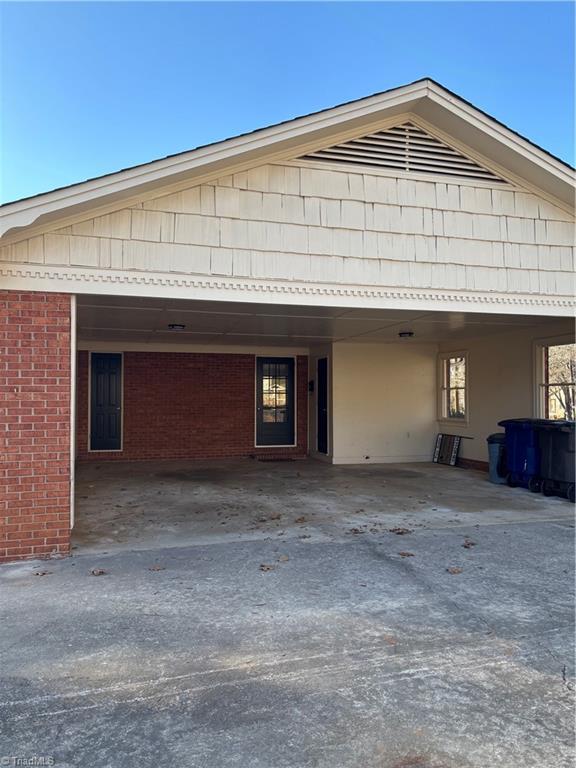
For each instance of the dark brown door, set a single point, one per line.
(275, 401)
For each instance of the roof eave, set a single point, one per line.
(494, 140)
(282, 141)
(248, 149)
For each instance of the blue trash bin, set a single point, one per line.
(523, 453)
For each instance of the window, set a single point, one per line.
(453, 387)
(557, 387)
(274, 392)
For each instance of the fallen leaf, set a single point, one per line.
(399, 531)
(412, 761)
(406, 554)
(275, 516)
(266, 567)
(453, 570)
(98, 572)
(157, 568)
(300, 519)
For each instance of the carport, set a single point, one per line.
(185, 403)
(343, 286)
(223, 373)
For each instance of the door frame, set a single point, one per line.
(89, 430)
(328, 435)
(283, 445)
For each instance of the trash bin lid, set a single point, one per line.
(497, 437)
(525, 423)
(558, 424)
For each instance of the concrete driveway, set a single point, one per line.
(344, 649)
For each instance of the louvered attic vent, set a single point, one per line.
(405, 148)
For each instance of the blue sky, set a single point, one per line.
(89, 88)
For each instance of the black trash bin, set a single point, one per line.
(557, 470)
(497, 457)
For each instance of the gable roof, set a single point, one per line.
(440, 108)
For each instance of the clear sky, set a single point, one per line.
(90, 88)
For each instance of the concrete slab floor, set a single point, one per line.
(260, 649)
(140, 505)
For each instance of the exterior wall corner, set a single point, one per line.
(35, 423)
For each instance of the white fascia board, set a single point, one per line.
(498, 131)
(527, 163)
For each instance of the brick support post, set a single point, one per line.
(35, 339)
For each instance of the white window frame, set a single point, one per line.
(443, 416)
(539, 350)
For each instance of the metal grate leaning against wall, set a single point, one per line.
(408, 148)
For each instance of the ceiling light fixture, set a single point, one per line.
(406, 334)
(176, 326)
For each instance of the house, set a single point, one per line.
(343, 285)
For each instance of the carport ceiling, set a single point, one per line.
(145, 320)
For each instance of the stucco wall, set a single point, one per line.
(502, 385)
(385, 396)
(384, 402)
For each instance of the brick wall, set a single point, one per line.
(188, 405)
(34, 424)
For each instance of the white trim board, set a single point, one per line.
(73, 419)
(249, 290)
(126, 346)
(414, 459)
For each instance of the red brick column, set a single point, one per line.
(34, 424)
